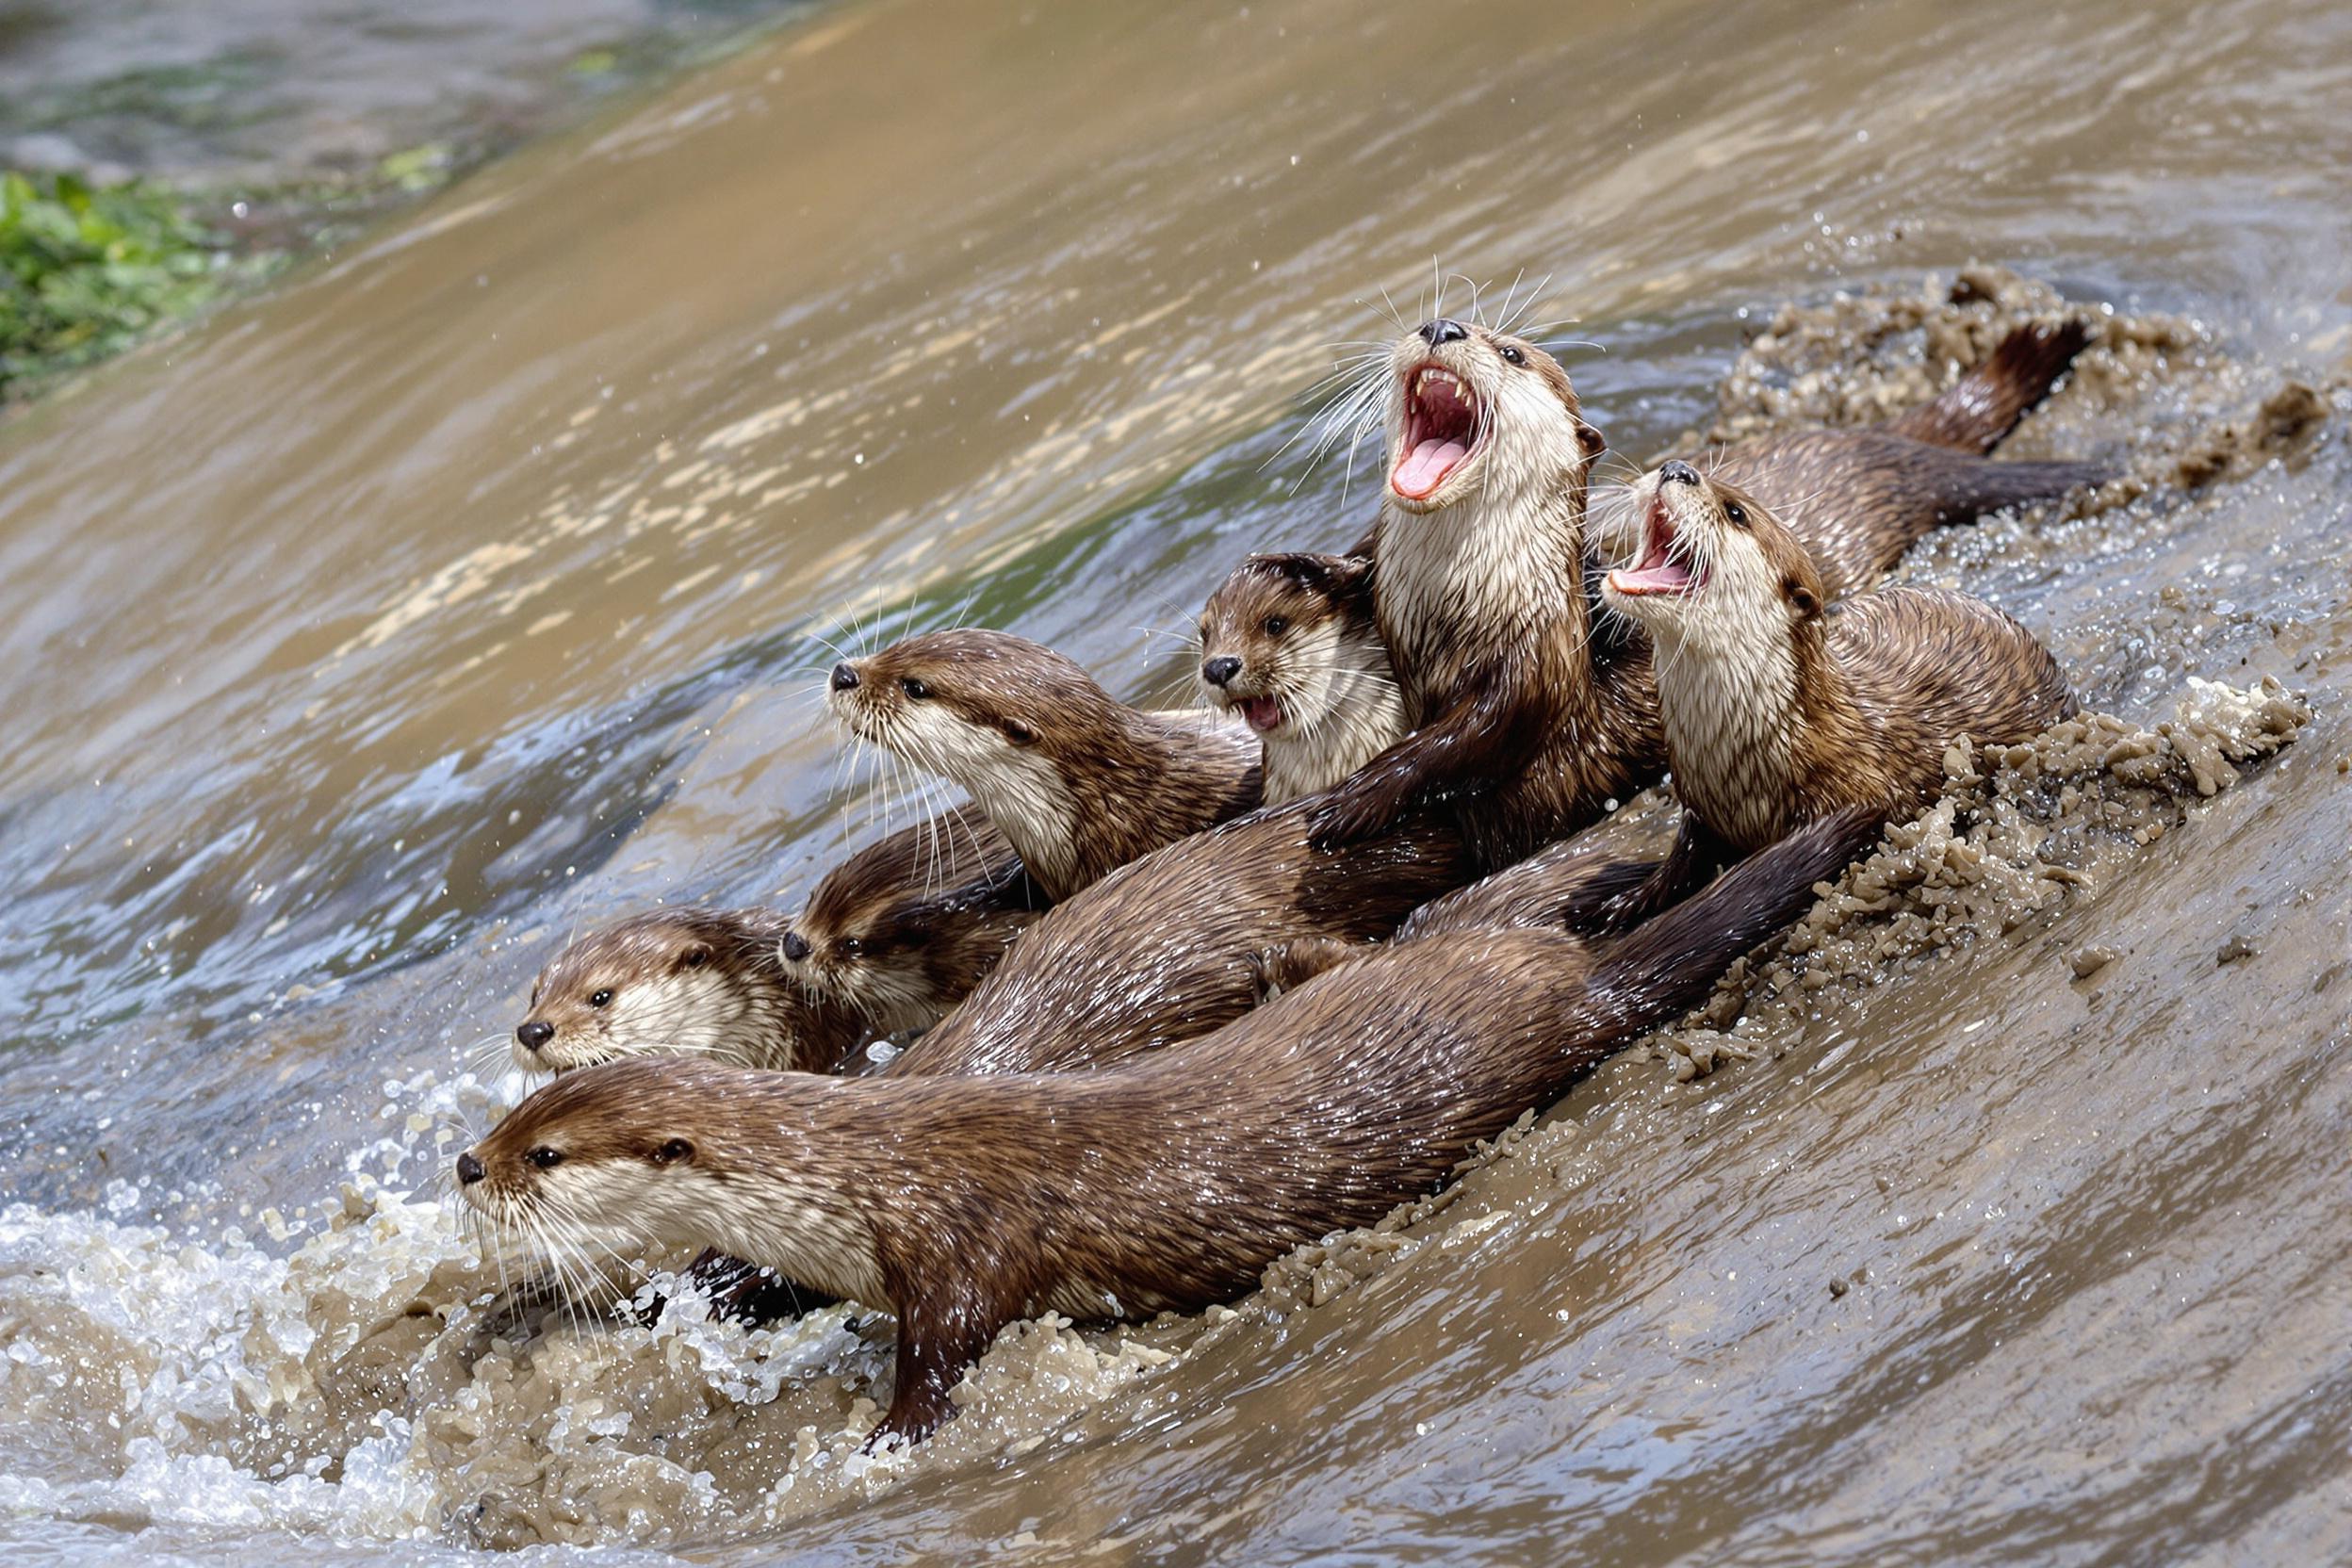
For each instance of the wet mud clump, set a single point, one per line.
(2019, 832)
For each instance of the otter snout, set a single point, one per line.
(1217, 671)
(845, 677)
(1678, 472)
(795, 946)
(534, 1034)
(469, 1169)
(1443, 330)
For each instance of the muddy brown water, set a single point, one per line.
(470, 588)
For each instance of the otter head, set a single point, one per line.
(1472, 412)
(1274, 637)
(1713, 570)
(669, 981)
(673, 1153)
(876, 945)
(968, 703)
(995, 714)
(594, 1149)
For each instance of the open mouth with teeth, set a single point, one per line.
(1262, 714)
(1662, 568)
(1443, 432)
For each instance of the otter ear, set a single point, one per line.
(675, 1151)
(1018, 733)
(1591, 439)
(695, 956)
(1801, 600)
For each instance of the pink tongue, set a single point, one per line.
(1424, 468)
(1264, 714)
(1664, 576)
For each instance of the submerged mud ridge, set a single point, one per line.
(352, 1367)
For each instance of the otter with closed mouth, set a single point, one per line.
(1521, 717)
(899, 934)
(1780, 708)
(1166, 1184)
(1290, 643)
(1077, 781)
(892, 938)
(681, 980)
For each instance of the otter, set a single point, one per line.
(1521, 716)
(1780, 708)
(1858, 498)
(1166, 1184)
(900, 932)
(681, 980)
(1289, 643)
(1175, 944)
(1077, 781)
(1479, 593)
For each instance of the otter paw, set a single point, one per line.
(1349, 818)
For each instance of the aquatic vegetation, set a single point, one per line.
(85, 272)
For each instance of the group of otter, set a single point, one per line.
(1187, 991)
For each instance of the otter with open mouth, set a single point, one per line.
(1077, 781)
(1523, 718)
(1780, 708)
(1290, 643)
(1519, 720)
(1858, 498)
(1166, 1184)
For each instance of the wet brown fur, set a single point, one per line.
(900, 931)
(1780, 709)
(684, 979)
(1518, 720)
(1858, 498)
(1077, 781)
(1525, 722)
(1169, 1183)
(1173, 945)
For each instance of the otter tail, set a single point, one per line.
(1669, 963)
(1977, 486)
(1975, 412)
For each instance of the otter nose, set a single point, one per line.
(1443, 330)
(795, 946)
(469, 1168)
(1217, 671)
(844, 678)
(1678, 472)
(534, 1034)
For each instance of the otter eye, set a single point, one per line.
(696, 957)
(1277, 625)
(543, 1158)
(672, 1152)
(850, 947)
(1731, 510)
(1018, 733)
(1510, 354)
(602, 998)
(914, 688)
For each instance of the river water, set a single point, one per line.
(471, 587)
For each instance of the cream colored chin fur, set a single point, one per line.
(1513, 519)
(803, 1231)
(1021, 791)
(1342, 709)
(1726, 686)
